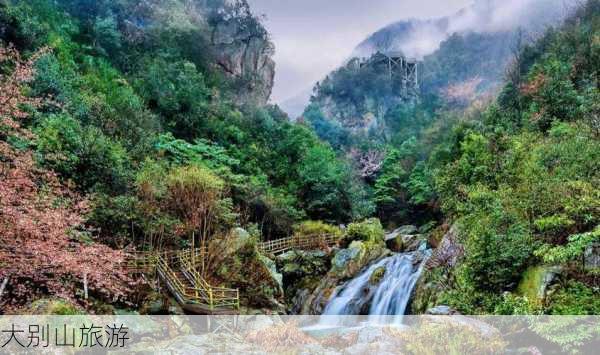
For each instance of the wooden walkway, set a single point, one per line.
(280, 246)
(178, 271)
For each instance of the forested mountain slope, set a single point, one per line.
(515, 170)
(142, 125)
(133, 100)
(520, 180)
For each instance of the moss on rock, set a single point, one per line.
(377, 276)
(535, 282)
(370, 231)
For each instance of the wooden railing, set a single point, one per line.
(214, 297)
(178, 288)
(201, 292)
(279, 246)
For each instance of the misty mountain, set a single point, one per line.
(463, 59)
(418, 38)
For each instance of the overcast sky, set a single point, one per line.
(313, 37)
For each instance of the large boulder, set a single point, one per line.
(239, 264)
(302, 271)
(404, 243)
(348, 262)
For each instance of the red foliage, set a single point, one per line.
(533, 87)
(40, 218)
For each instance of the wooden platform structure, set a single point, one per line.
(400, 68)
(178, 271)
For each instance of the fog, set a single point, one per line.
(419, 38)
(313, 37)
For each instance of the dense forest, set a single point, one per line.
(138, 125)
(518, 173)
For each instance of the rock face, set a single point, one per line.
(435, 277)
(592, 257)
(241, 266)
(224, 33)
(246, 56)
(302, 271)
(449, 251)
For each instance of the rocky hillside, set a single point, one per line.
(143, 125)
(463, 59)
(226, 34)
(242, 48)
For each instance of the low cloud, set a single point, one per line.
(418, 38)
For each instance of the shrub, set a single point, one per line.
(574, 298)
(370, 230)
(83, 154)
(316, 229)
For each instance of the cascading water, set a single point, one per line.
(386, 296)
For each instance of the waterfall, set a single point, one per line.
(380, 296)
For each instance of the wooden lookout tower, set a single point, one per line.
(401, 69)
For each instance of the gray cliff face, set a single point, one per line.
(246, 56)
(232, 38)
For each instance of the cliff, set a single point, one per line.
(224, 34)
(242, 49)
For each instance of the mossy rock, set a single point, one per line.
(377, 275)
(348, 262)
(54, 306)
(240, 265)
(395, 243)
(370, 231)
(535, 281)
(428, 289)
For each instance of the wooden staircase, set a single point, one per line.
(189, 288)
(178, 270)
